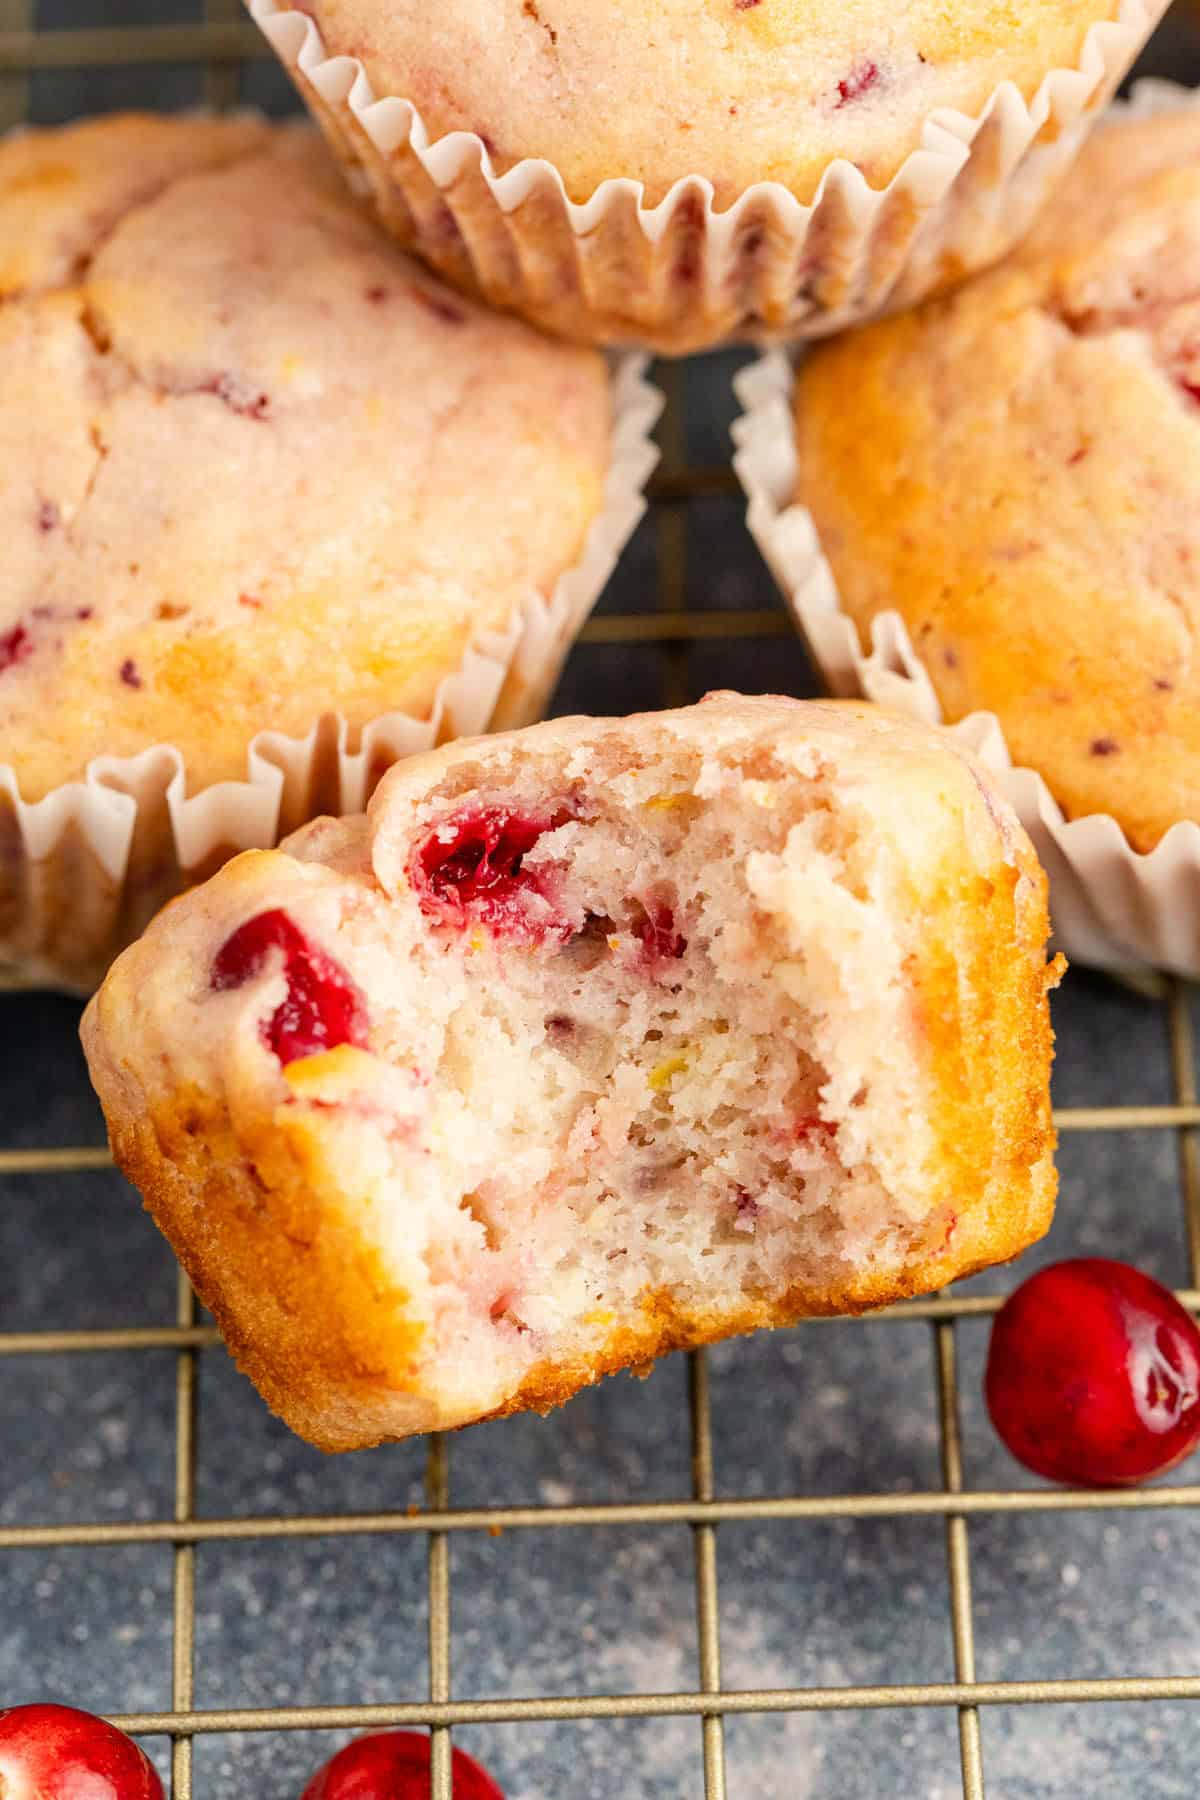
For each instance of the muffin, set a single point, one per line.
(671, 172)
(261, 469)
(590, 1042)
(1014, 470)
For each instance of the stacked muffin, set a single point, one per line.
(674, 171)
(988, 510)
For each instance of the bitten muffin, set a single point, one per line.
(591, 1041)
(737, 90)
(1015, 470)
(257, 466)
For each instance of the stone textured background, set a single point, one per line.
(845, 1407)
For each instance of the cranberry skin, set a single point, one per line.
(813, 1130)
(660, 939)
(322, 1007)
(15, 646)
(860, 81)
(57, 1753)
(394, 1765)
(471, 867)
(1093, 1375)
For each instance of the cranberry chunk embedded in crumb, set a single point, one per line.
(233, 393)
(470, 867)
(660, 938)
(861, 79)
(746, 1208)
(15, 646)
(439, 306)
(322, 1008)
(813, 1129)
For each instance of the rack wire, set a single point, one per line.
(223, 44)
(709, 1702)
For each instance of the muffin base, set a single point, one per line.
(87, 866)
(682, 276)
(1112, 906)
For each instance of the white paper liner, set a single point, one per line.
(1112, 905)
(680, 275)
(83, 869)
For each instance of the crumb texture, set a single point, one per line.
(1016, 470)
(737, 90)
(592, 1041)
(257, 464)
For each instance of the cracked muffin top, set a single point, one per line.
(737, 90)
(257, 465)
(1016, 471)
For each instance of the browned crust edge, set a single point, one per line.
(250, 1195)
(309, 1316)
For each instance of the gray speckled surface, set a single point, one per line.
(823, 1409)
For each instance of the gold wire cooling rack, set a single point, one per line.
(221, 43)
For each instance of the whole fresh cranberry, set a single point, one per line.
(57, 1753)
(394, 1765)
(1093, 1375)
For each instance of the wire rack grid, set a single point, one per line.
(222, 44)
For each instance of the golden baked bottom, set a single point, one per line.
(1015, 470)
(590, 1042)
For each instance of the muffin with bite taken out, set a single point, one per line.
(590, 1042)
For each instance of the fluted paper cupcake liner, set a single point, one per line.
(83, 869)
(681, 275)
(1112, 906)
